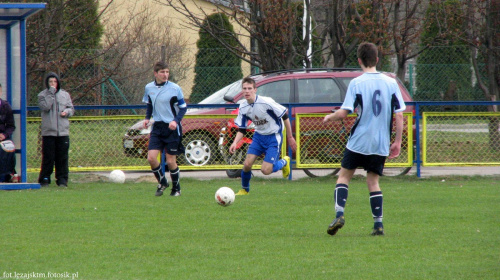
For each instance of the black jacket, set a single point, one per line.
(7, 124)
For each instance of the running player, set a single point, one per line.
(268, 118)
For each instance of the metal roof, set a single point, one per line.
(12, 13)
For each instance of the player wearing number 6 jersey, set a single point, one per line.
(376, 97)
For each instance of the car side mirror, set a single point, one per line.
(228, 99)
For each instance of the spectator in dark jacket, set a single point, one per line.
(7, 127)
(56, 107)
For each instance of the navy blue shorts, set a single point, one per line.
(163, 138)
(370, 163)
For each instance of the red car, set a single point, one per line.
(201, 135)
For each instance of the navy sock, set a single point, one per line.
(340, 197)
(174, 175)
(245, 180)
(376, 203)
(160, 176)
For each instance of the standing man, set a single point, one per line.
(165, 103)
(377, 97)
(268, 118)
(7, 127)
(56, 107)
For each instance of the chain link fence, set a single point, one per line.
(445, 73)
(461, 138)
(322, 145)
(120, 142)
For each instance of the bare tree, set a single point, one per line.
(269, 25)
(483, 37)
(133, 43)
(407, 26)
(87, 42)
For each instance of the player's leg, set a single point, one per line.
(374, 171)
(376, 202)
(157, 171)
(155, 146)
(340, 198)
(246, 174)
(272, 163)
(174, 173)
(349, 164)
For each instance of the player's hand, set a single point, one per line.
(291, 142)
(172, 125)
(395, 150)
(232, 148)
(2, 136)
(327, 118)
(145, 124)
(63, 114)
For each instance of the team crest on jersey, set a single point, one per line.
(259, 122)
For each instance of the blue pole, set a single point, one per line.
(23, 107)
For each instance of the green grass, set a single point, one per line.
(434, 230)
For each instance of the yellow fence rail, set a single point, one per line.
(460, 139)
(322, 145)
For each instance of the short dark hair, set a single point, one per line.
(248, 80)
(160, 65)
(368, 54)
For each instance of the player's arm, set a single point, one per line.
(289, 136)
(336, 116)
(181, 104)
(237, 138)
(396, 146)
(149, 113)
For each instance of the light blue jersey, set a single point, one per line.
(377, 97)
(166, 99)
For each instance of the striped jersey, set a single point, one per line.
(265, 114)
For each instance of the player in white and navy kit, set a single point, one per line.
(268, 118)
(377, 97)
(165, 103)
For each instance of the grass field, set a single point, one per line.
(439, 228)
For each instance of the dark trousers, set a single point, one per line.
(7, 165)
(55, 152)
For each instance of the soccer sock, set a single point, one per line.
(174, 175)
(376, 202)
(340, 197)
(160, 177)
(277, 166)
(245, 180)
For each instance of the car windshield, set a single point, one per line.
(218, 97)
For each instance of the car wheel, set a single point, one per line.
(237, 158)
(396, 171)
(233, 173)
(321, 172)
(200, 149)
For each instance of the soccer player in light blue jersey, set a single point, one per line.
(165, 103)
(376, 97)
(268, 118)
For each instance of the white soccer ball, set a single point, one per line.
(117, 176)
(224, 196)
